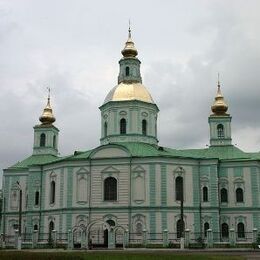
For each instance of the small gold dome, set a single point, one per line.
(129, 50)
(219, 106)
(47, 117)
(129, 91)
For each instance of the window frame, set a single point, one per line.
(241, 233)
(205, 194)
(144, 127)
(43, 140)
(127, 71)
(221, 195)
(110, 196)
(220, 131)
(36, 198)
(206, 228)
(123, 126)
(52, 191)
(105, 129)
(224, 230)
(179, 191)
(239, 195)
(180, 225)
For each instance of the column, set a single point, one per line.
(254, 235)
(165, 238)
(111, 238)
(232, 238)
(70, 242)
(144, 237)
(54, 237)
(34, 238)
(187, 238)
(126, 238)
(209, 238)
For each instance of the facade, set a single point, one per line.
(130, 182)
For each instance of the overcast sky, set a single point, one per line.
(74, 47)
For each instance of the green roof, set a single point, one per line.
(228, 152)
(34, 160)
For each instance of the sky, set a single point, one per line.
(73, 47)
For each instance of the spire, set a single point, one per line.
(219, 106)
(47, 117)
(129, 50)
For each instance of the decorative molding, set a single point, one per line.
(122, 113)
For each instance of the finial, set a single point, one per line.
(129, 29)
(129, 50)
(219, 107)
(49, 92)
(47, 117)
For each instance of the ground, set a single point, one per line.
(131, 254)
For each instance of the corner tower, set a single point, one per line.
(46, 134)
(220, 121)
(129, 113)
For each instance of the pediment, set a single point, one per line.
(109, 152)
(110, 169)
(138, 168)
(82, 170)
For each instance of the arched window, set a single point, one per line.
(139, 228)
(51, 228)
(42, 140)
(110, 189)
(223, 195)
(220, 129)
(180, 228)
(205, 194)
(122, 126)
(240, 230)
(111, 222)
(239, 195)
(206, 227)
(37, 198)
(52, 193)
(35, 227)
(127, 71)
(105, 129)
(144, 127)
(54, 141)
(179, 188)
(224, 230)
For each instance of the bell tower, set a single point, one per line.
(129, 113)
(220, 122)
(46, 134)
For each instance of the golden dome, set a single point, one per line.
(129, 91)
(47, 117)
(129, 50)
(219, 106)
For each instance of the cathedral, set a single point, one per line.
(130, 183)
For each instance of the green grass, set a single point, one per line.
(106, 255)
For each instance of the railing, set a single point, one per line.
(100, 238)
(154, 238)
(136, 238)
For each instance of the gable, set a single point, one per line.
(110, 152)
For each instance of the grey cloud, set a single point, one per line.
(75, 50)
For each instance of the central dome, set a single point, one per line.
(129, 91)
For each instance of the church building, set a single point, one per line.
(130, 182)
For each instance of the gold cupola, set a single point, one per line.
(129, 50)
(47, 117)
(219, 106)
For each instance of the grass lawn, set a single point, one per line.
(106, 255)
